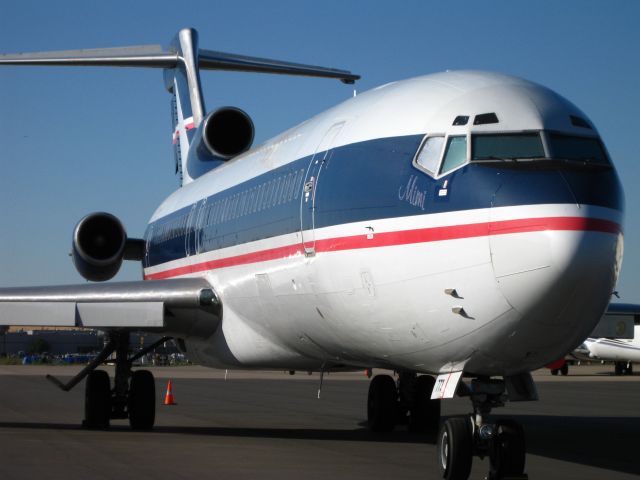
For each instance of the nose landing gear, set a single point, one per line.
(462, 438)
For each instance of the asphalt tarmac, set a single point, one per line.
(272, 426)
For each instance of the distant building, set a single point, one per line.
(62, 340)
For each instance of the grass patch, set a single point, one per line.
(10, 361)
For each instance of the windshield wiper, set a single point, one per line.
(493, 158)
(490, 158)
(586, 163)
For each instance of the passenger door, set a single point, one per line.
(310, 187)
(190, 231)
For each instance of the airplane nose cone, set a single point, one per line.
(557, 270)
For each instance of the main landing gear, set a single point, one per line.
(563, 370)
(461, 438)
(408, 401)
(133, 392)
(624, 368)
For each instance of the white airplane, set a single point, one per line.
(622, 351)
(461, 224)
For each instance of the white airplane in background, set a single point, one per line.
(461, 224)
(622, 351)
(616, 338)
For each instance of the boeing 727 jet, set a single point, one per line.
(462, 229)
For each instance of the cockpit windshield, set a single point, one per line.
(507, 146)
(585, 149)
(539, 147)
(440, 154)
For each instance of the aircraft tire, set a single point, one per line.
(619, 368)
(508, 452)
(382, 403)
(455, 448)
(142, 400)
(554, 371)
(424, 417)
(97, 400)
(564, 370)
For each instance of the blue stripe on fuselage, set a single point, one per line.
(365, 181)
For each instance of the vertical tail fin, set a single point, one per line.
(187, 105)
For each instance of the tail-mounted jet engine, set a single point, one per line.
(227, 132)
(222, 135)
(99, 246)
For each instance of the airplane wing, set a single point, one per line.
(186, 306)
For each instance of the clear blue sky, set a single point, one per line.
(79, 140)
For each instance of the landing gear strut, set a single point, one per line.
(623, 368)
(408, 401)
(461, 438)
(132, 395)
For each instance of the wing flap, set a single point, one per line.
(120, 315)
(46, 314)
(135, 305)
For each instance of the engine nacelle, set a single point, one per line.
(222, 135)
(100, 244)
(227, 132)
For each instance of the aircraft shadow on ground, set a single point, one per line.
(603, 442)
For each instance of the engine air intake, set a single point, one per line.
(99, 246)
(228, 132)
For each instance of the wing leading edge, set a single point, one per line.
(184, 306)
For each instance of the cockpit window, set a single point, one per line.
(429, 155)
(455, 154)
(485, 118)
(579, 122)
(506, 146)
(585, 149)
(461, 120)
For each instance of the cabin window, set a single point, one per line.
(506, 146)
(430, 154)
(455, 153)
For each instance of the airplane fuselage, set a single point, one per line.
(615, 349)
(334, 244)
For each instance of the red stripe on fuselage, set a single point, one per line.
(402, 237)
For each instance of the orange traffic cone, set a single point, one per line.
(168, 398)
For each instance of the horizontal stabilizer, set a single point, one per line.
(153, 56)
(181, 63)
(150, 56)
(210, 60)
